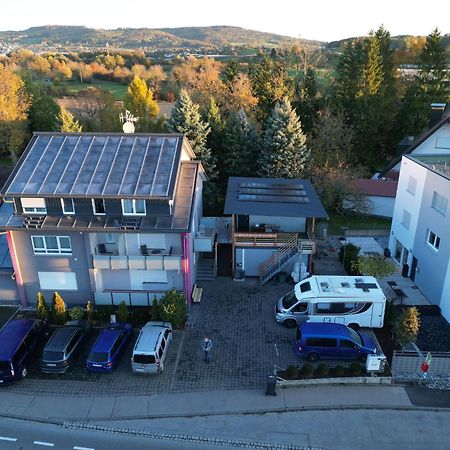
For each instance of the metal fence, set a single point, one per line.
(407, 364)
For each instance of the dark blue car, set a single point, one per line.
(108, 347)
(332, 340)
(18, 340)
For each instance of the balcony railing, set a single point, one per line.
(262, 239)
(137, 262)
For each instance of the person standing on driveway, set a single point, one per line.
(206, 347)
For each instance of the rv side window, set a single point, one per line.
(321, 342)
(335, 308)
(305, 286)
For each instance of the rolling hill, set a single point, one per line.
(168, 39)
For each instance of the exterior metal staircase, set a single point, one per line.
(282, 256)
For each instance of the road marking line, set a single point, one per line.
(3, 438)
(46, 444)
(82, 448)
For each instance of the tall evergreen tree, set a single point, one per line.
(185, 118)
(284, 153)
(432, 84)
(216, 126)
(67, 122)
(307, 104)
(434, 76)
(373, 71)
(238, 147)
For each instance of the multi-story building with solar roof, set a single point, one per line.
(108, 217)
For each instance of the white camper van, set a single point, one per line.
(355, 301)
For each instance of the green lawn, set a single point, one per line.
(118, 90)
(355, 222)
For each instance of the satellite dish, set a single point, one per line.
(128, 121)
(128, 127)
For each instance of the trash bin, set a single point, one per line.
(271, 385)
(405, 271)
(387, 253)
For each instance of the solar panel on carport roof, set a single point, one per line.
(273, 198)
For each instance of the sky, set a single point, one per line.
(324, 20)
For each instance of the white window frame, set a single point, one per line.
(439, 203)
(433, 240)
(60, 250)
(94, 209)
(58, 281)
(68, 213)
(412, 185)
(406, 219)
(133, 207)
(35, 205)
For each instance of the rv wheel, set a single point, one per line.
(354, 326)
(290, 323)
(362, 359)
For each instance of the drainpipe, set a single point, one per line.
(16, 267)
(186, 266)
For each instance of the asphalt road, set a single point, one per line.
(25, 435)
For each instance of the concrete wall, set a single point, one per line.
(288, 224)
(381, 206)
(432, 276)
(432, 264)
(408, 201)
(30, 264)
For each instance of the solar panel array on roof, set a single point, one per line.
(98, 165)
(272, 192)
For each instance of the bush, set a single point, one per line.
(76, 313)
(139, 316)
(89, 310)
(42, 309)
(355, 369)
(173, 308)
(350, 252)
(155, 309)
(307, 370)
(407, 326)
(339, 371)
(122, 312)
(321, 370)
(102, 313)
(291, 373)
(58, 311)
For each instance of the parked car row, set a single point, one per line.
(19, 340)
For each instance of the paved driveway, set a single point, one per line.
(237, 316)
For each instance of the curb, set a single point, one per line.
(85, 420)
(235, 443)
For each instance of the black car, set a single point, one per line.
(63, 347)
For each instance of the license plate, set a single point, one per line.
(97, 365)
(51, 365)
(139, 370)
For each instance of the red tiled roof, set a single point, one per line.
(378, 188)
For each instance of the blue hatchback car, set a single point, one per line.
(332, 340)
(108, 347)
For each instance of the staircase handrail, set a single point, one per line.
(277, 256)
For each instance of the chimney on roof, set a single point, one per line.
(437, 112)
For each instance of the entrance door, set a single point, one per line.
(412, 275)
(377, 314)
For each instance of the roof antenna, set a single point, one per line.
(128, 121)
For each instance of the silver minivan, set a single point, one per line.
(151, 347)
